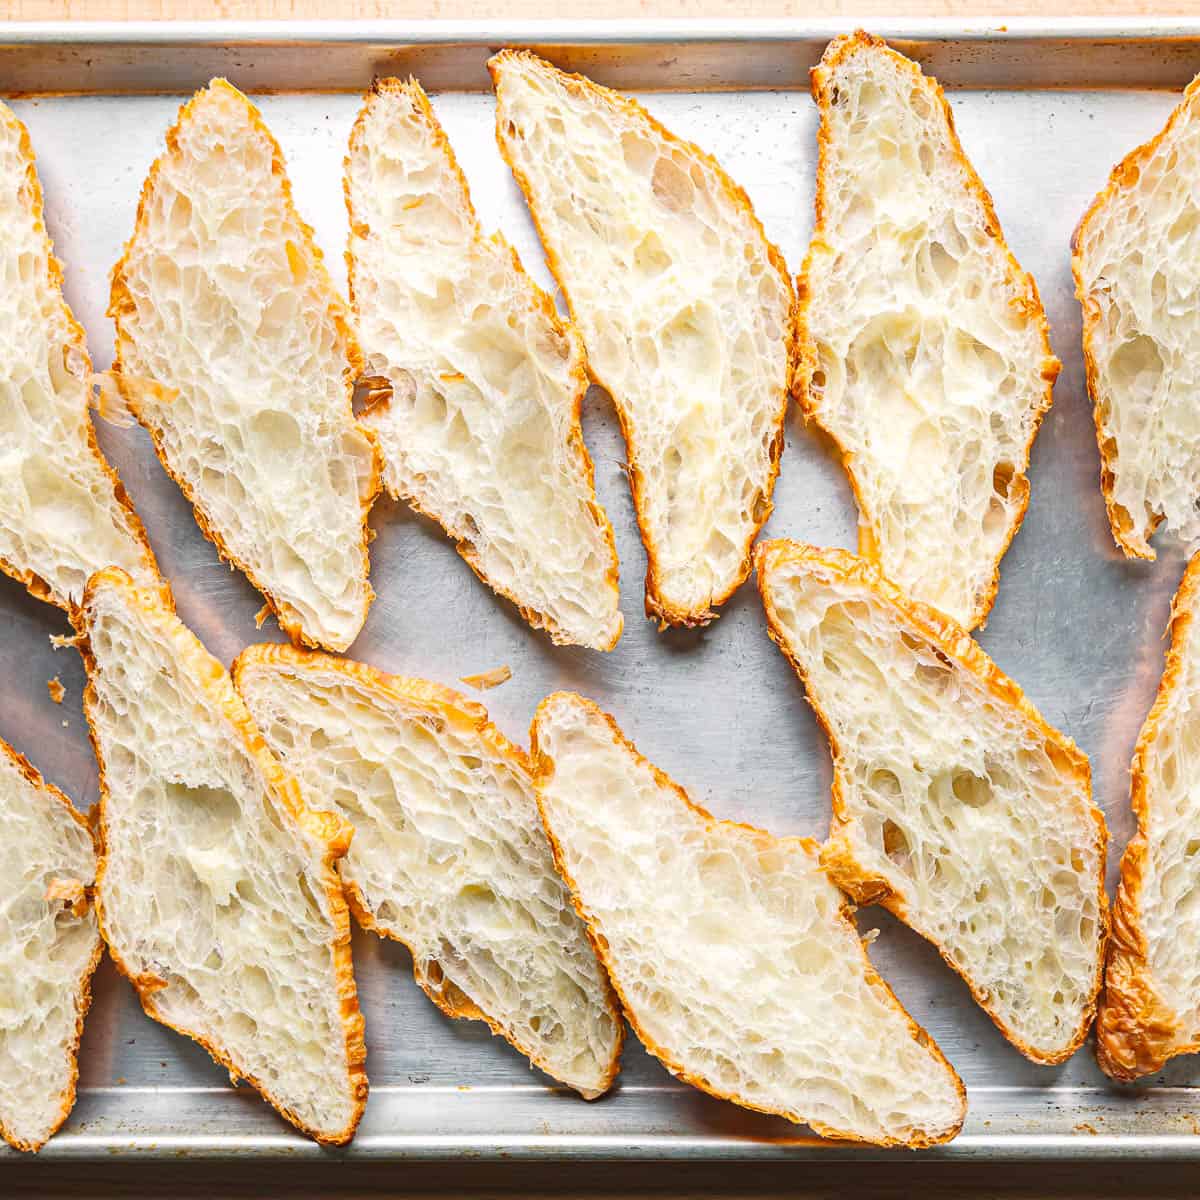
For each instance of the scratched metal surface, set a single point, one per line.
(1078, 627)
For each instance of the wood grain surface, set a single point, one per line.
(44, 10)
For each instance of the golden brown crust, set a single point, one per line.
(322, 828)
(1029, 301)
(446, 705)
(657, 606)
(1136, 1030)
(32, 192)
(1134, 542)
(543, 771)
(578, 449)
(951, 641)
(83, 997)
(122, 305)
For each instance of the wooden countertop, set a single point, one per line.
(44, 10)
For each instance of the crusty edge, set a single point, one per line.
(657, 607)
(1133, 542)
(579, 376)
(951, 641)
(543, 771)
(83, 995)
(32, 187)
(1027, 301)
(121, 304)
(1136, 1030)
(468, 716)
(323, 831)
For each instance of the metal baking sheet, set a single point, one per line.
(1043, 112)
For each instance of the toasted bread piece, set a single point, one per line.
(926, 351)
(734, 956)
(1150, 1006)
(233, 350)
(49, 947)
(216, 890)
(63, 511)
(955, 805)
(686, 309)
(482, 428)
(449, 856)
(1136, 260)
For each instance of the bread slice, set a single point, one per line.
(482, 429)
(686, 309)
(736, 959)
(1150, 1006)
(1134, 258)
(233, 350)
(955, 805)
(49, 947)
(927, 358)
(63, 511)
(217, 892)
(449, 856)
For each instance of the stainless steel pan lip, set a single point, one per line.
(99, 57)
(593, 32)
(1054, 1121)
(270, 1138)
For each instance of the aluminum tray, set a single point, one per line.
(1043, 112)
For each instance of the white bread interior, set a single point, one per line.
(233, 349)
(49, 947)
(63, 512)
(217, 892)
(955, 804)
(1150, 1007)
(732, 952)
(1136, 259)
(449, 855)
(481, 430)
(685, 308)
(926, 351)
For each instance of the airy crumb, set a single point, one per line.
(55, 688)
(372, 390)
(112, 392)
(109, 401)
(487, 679)
(70, 891)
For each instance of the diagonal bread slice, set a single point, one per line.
(1136, 260)
(49, 947)
(482, 430)
(216, 891)
(63, 511)
(955, 805)
(234, 351)
(686, 309)
(1150, 1006)
(927, 358)
(735, 958)
(449, 856)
